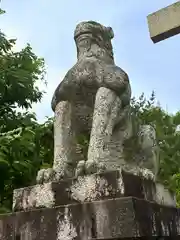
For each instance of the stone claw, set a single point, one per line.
(49, 175)
(44, 175)
(94, 167)
(91, 167)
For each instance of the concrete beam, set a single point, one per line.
(164, 23)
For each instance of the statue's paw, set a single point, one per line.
(101, 167)
(80, 170)
(58, 175)
(94, 167)
(91, 167)
(44, 175)
(62, 171)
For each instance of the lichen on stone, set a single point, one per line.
(120, 183)
(38, 196)
(89, 188)
(65, 227)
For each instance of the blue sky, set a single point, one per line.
(49, 25)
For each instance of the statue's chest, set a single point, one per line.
(87, 73)
(83, 80)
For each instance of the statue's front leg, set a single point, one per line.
(106, 113)
(64, 141)
(64, 146)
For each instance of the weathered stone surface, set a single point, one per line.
(94, 187)
(94, 99)
(164, 23)
(117, 218)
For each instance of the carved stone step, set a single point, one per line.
(107, 219)
(109, 185)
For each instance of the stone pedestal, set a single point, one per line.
(110, 205)
(96, 187)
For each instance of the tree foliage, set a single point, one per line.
(25, 144)
(168, 138)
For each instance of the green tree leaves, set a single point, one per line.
(167, 136)
(20, 134)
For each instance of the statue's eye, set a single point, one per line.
(83, 43)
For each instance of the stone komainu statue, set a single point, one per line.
(94, 99)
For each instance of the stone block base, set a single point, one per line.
(109, 185)
(107, 219)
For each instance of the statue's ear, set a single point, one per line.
(110, 32)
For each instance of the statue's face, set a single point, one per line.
(94, 28)
(89, 38)
(89, 33)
